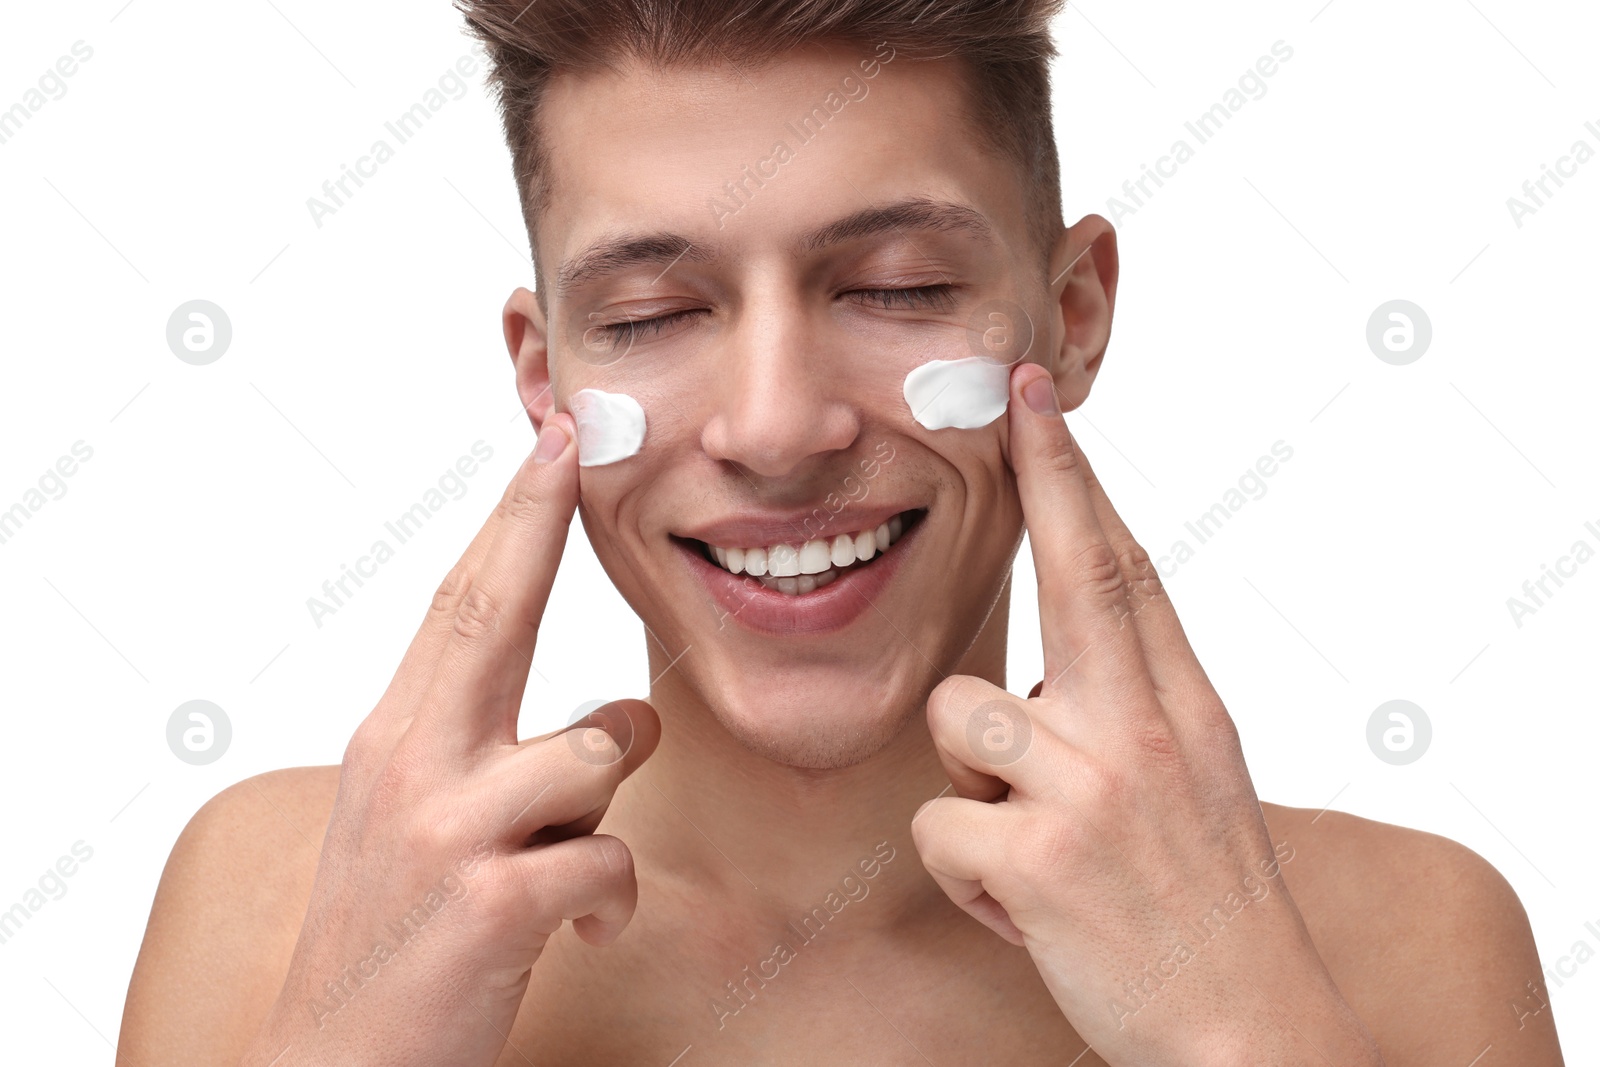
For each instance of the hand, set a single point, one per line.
(1108, 823)
(454, 852)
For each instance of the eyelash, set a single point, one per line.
(937, 297)
(621, 333)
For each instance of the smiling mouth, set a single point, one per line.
(796, 569)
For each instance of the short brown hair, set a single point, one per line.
(1005, 46)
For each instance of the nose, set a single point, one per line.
(779, 400)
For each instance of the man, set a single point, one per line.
(831, 836)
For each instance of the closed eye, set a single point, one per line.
(623, 334)
(935, 297)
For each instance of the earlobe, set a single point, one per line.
(528, 343)
(1084, 272)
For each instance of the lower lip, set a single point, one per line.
(826, 610)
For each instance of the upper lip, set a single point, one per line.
(758, 529)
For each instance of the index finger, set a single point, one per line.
(1174, 668)
(416, 667)
(476, 689)
(1083, 605)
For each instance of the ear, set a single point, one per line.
(528, 343)
(1083, 272)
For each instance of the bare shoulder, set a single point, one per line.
(1426, 939)
(225, 919)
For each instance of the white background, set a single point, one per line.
(367, 357)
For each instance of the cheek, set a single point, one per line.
(983, 486)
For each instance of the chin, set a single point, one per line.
(832, 723)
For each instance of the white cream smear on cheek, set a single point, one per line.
(961, 394)
(610, 426)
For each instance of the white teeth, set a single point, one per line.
(783, 561)
(814, 557)
(812, 565)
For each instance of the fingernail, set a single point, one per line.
(552, 443)
(1041, 395)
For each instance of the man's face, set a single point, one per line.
(771, 372)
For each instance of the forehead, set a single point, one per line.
(744, 158)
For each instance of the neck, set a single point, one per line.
(767, 841)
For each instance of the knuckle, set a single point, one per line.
(1059, 453)
(1103, 790)
(611, 860)
(500, 881)
(363, 748)
(584, 868)
(436, 830)
(1155, 745)
(1094, 573)
(1092, 480)
(404, 776)
(952, 699)
(1134, 560)
(450, 591)
(1096, 566)
(1217, 728)
(926, 828)
(426, 837)
(1048, 849)
(1143, 579)
(1213, 716)
(477, 615)
(523, 504)
(940, 699)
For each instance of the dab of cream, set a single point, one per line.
(961, 394)
(610, 426)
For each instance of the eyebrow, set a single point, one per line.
(918, 213)
(616, 253)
